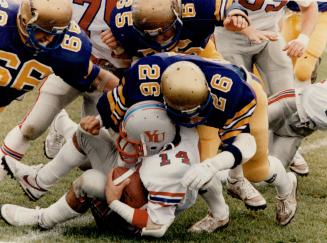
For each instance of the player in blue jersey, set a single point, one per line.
(145, 27)
(213, 93)
(198, 91)
(39, 42)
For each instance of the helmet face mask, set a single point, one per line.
(44, 23)
(158, 34)
(56, 35)
(145, 131)
(190, 117)
(129, 150)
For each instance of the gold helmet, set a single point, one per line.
(186, 94)
(155, 17)
(51, 17)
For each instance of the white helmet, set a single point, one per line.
(145, 130)
(314, 102)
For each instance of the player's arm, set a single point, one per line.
(236, 18)
(111, 42)
(104, 80)
(239, 147)
(136, 217)
(309, 11)
(258, 36)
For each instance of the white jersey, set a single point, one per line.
(93, 17)
(161, 175)
(313, 100)
(265, 14)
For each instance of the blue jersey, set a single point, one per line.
(233, 100)
(21, 68)
(322, 6)
(199, 19)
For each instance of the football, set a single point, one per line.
(134, 195)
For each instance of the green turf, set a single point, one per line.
(309, 224)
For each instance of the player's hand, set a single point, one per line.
(257, 36)
(296, 48)
(198, 176)
(90, 124)
(108, 38)
(236, 20)
(114, 192)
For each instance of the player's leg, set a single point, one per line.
(256, 169)
(275, 67)
(291, 27)
(218, 216)
(306, 64)
(76, 152)
(54, 94)
(285, 137)
(299, 165)
(286, 187)
(235, 48)
(91, 184)
(61, 129)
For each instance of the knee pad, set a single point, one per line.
(90, 184)
(305, 66)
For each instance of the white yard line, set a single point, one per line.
(39, 235)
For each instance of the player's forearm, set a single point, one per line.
(242, 149)
(106, 81)
(136, 217)
(309, 18)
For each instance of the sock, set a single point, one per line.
(15, 144)
(67, 158)
(64, 125)
(57, 213)
(213, 196)
(278, 177)
(236, 174)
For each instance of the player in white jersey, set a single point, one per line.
(270, 57)
(293, 115)
(93, 17)
(171, 153)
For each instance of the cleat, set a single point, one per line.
(54, 141)
(242, 189)
(299, 165)
(209, 224)
(25, 175)
(286, 205)
(19, 216)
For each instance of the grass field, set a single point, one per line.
(309, 224)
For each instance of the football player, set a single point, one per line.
(293, 115)
(167, 152)
(215, 94)
(40, 42)
(146, 27)
(93, 17)
(231, 105)
(266, 49)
